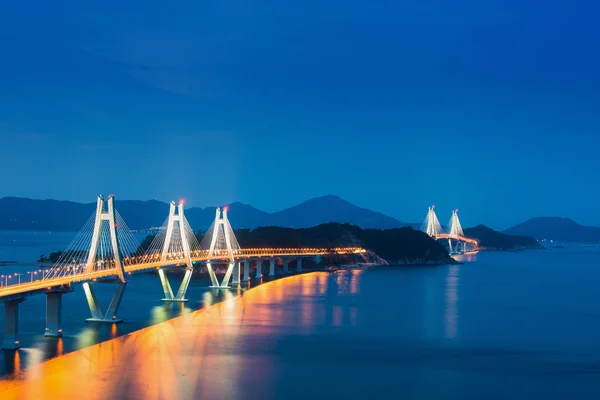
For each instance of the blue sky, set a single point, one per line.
(489, 107)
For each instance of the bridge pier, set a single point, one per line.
(213, 277)
(11, 324)
(246, 270)
(168, 291)
(286, 267)
(299, 265)
(111, 313)
(215, 281)
(236, 273)
(272, 267)
(225, 282)
(259, 262)
(53, 314)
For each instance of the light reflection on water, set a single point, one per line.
(198, 355)
(382, 333)
(467, 257)
(451, 296)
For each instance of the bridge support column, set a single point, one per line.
(259, 268)
(246, 270)
(53, 314)
(168, 291)
(111, 313)
(286, 265)
(165, 285)
(299, 265)
(272, 267)
(213, 277)
(187, 277)
(227, 277)
(11, 324)
(236, 273)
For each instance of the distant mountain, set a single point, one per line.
(556, 228)
(332, 209)
(241, 216)
(490, 239)
(53, 215)
(45, 215)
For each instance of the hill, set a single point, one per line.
(331, 209)
(52, 215)
(556, 228)
(396, 245)
(490, 239)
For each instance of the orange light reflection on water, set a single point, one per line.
(60, 347)
(17, 364)
(203, 354)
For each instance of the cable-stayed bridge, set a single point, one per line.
(433, 228)
(105, 251)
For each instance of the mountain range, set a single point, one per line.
(53, 215)
(556, 228)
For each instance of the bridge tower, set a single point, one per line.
(111, 258)
(431, 225)
(455, 227)
(177, 240)
(456, 231)
(174, 244)
(222, 244)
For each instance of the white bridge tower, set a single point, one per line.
(431, 225)
(111, 249)
(176, 245)
(223, 245)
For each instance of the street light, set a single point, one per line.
(19, 275)
(32, 273)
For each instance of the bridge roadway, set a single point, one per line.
(144, 263)
(459, 238)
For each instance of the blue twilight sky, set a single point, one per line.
(492, 107)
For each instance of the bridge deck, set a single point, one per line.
(154, 262)
(455, 237)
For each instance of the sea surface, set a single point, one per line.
(516, 325)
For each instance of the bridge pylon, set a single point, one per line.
(456, 229)
(176, 246)
(431, 225)
(109, 216)
(222, 244)
(111, 249)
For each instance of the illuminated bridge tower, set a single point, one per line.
(222, 245)
(174, 245)
(98, 254)
(110, 258)
(456, 231)
(176, 234)
(431, 225)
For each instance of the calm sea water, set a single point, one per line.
(516, 325)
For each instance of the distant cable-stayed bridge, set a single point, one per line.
(105, 251)
(433, 228)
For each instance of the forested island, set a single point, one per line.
(396, 246)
